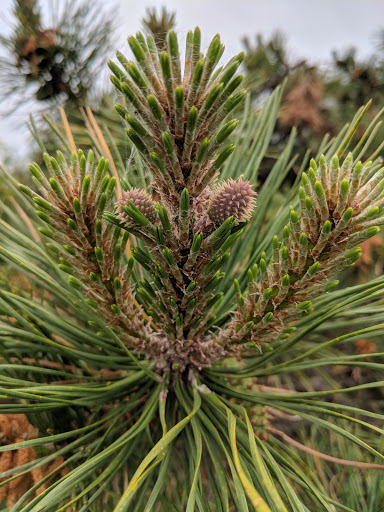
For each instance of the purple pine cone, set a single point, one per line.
(143, 203)
(232, 199)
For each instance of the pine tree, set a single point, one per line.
(152, 311)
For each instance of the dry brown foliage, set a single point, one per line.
(303, 103)
(15, 428)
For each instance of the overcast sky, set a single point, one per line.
(312, 28)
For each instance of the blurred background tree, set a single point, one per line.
(56, 63)
(316, 100)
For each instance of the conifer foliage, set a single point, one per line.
(128, 329)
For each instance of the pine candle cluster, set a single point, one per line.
(179, 122)
(72, 202)
(340, 207)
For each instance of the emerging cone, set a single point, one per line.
(232, 199)
(143, 203)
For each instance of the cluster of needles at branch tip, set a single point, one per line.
(179, 121)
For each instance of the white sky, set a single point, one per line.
(313, 29)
